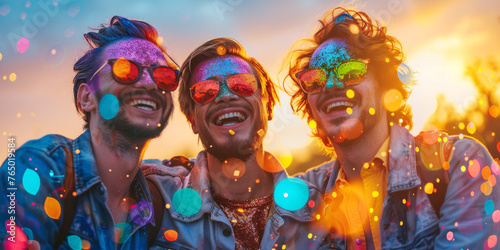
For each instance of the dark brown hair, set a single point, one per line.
(367, 40)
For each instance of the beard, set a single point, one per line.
(240, 148)
(132, 132)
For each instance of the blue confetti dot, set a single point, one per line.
(109, 106)
(291, 194)
(489, 206)
(405, 74)
(31, 181)
(28, 232)
(186, 201)
(74, 242)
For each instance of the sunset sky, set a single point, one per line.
(440, 38)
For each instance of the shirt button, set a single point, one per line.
(226, 232)
(358, 242)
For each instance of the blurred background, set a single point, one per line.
(452, 46)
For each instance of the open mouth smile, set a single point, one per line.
(229, 118)
(144, 104)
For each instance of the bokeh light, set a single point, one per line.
(496, 216)
(12, 77)
(74, 9)
(351, 129)
(23, 44)
(52, 208)
(4, 9)
(186, 201)
(74, 242)
(474, 168)
(31, 181)
(429, 188)
(393, 99)
(55, 55)
(291, 194)
(171, 235)
(449, 235)
(489, 206)
(471, 128)
(492, 241)
(109, 106)
(233, 168)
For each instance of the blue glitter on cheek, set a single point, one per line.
(330, 54)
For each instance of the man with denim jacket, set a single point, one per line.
(237, 196)
(379, 188)
(122, 88)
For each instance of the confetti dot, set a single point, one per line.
(460, 136)
(233, 168)
(109, 106)
(461, 126)
(23, 45)
(463, 168)
(486, 172)
(68, 32)
(261, 132)
(186, 201)
(55, 55)
(5, 77)
(496, 216)
(449, 235)
(348, 110)
(471, 128)
(375, 194)
(446, 165)
(474, 168)
(371, 210)
(350, 93)
(372, 111)
(493, 111)
(31, 181)
(334, 194)
(85, 244)
(12, 77)
(393, 100)
(171, 235)
(492, 180)
(28, 233)
(74, 9)
(401, 223)
(298, 194)
(312, 124)
(354, 29)
(4, 9)
(77, 151)
(311, 203)
(486, 188)
(159, 40)
(492, 241)
(375, 218)
(310, 235)
(52, 208)
(1, 56)
(429, 188)
(231, 132)
(351, 129)
(221, 50)
(489, 206)
(74, 242)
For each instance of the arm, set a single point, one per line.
(472, 196)
(28, 195)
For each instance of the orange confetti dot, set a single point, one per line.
(486, 172)
(52, 208)
(493, 111)
(492, 180)
(171, 235)
(486, 188)
(492, 241)
(393, 100)
(471, 193)
(85, 244)
(474, 168)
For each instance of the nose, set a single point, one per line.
(146, 81)
(332, 83)
(224, 94)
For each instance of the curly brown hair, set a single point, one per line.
(212, 49)
(366, 39)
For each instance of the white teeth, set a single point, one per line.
(144, 104)
(338, 104)
(239, 115)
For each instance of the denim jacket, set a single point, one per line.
(209, 228)
(39, 177)
(469, 217)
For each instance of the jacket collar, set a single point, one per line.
(199, 181)
(402, 163)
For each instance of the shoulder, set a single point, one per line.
(318, 176)
(47, 144)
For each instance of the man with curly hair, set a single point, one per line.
(90, 192)
(386, 189)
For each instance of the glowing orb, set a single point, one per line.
(291, 194)
(109, 106)
(74, 242)
(186, 201)
(31, 181)
(52, 208)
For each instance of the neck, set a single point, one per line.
(117, 160)
(353, 154)
(254, 183)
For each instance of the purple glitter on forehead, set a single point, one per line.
(220, 68)
(330, 54)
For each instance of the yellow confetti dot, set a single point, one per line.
(375, 194)
(354, 29)
(334, 194)
(1, 56)
(390, 123)
(318, 217)
(18, 115)
(471, 128)
(371, 210)
(167, 206)
(471, 193)
(462, 168)
(12, 77)
(401, 223)
(393, 100)
(429, 187)
(383, 154)
(283, 247)
(312, 124)
(159, 125)
(461, 126)
(52, 208)
(77, 151)
(159, 40)
(260, 132)
(438, 180)
(481, 102)
(231, 132)
(110, 170)
(241, 210)
(349, 93)
(417, 149)
(404, 201)
(460, 136)
(372, 111)
(375, 218)
(310, 235)
(387, 60)
(348, 110)
(366, 165)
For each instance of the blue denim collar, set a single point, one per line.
(199, 181)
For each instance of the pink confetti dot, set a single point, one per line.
(449, 236)
(474, 169)
(492, 241)
(496, 216)
(23, 45)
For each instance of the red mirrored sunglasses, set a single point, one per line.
(241, 84)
